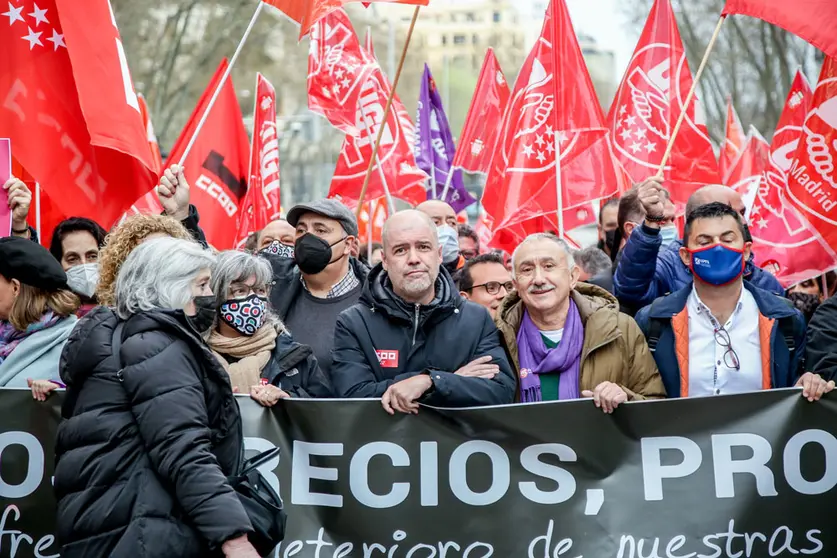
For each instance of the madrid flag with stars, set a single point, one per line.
(70, 108)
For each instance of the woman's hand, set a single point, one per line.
(239, 547)
(41, 388)
(268, 395)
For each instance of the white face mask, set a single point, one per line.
(449, 241)
(83, 279)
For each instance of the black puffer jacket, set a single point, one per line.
(293, 368)
(141, 461)
(437, 339)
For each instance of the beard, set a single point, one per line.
(417, 286)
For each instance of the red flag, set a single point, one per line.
(156, 157)
(485, 118)
(812, 177)
(733, 143)
(70, 108)
(747, 173)
(783, 241)
(337, 70)
(813, 20)
(648, 105)
(308, 12)
(262, 202)
(553, 105)
(395, 155)
(373, 225)
(218, 165)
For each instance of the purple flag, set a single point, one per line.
(434, 148)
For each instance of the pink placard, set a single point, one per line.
(5, 174)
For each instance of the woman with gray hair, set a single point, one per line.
(252, 344)
(151, 430)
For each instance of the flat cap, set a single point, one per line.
(31, 264)
(332, 209)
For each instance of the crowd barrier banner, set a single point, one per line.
(740, 476)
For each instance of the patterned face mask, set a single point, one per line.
(245, 315)
(276, 248)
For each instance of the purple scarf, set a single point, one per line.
(536, 359)
(10, 337)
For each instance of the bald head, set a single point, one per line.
(716, 193)
(440, 212)
(408, 220)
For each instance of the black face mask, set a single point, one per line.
(205, 316)
(313, 254)
(805, 303)
(609, 240)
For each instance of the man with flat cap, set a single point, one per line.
(37, 313)
(322, 278)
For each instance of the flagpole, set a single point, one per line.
(217, 92)
(376, 162)
(38, 212)
(558, 189)
(369, 234)
(448, 181)
(433, 182)
(690, 96)
(386, 112)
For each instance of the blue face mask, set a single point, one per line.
(717, 265)
(669, 235)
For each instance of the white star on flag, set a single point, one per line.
(630, 120)
(33, 38)
(541, 157)
(339, 73)
(57, 39)
(640, 133)
(636, 148)
(39, 15)
(540, 141)
(14, 14)
(651, 147)
(762, 223)
(755, 209)
(549, 148)
(346, 83)
(528, 151)
(550, 132)
(626, 134)
(622, 110)
(562, 137)
(336, 89)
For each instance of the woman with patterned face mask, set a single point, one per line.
(253, 345)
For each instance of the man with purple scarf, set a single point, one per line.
(568, 340)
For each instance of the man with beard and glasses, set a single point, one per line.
(723, 335)
(412, 338)
(567, 339)
(650, 265)
(319, 278)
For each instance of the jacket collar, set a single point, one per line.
(770, 305)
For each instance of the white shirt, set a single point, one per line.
(708, 370)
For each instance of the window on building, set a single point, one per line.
(475, 39)
(470, 16)
(459, 39)
(496, 17)
(444, 39)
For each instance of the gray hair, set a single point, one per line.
(593, 261)
(543, 236)
(233, 266)
(158, 275)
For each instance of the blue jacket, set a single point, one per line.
(786, 365)
(646, 273)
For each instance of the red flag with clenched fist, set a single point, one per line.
(308, 12)
(783, 242)
(337, 69)
(70, 108)
(813, 20)
(485, 118)
(218, 165)
(262, 202)
(812, 178)
(648, 105)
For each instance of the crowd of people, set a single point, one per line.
(152, 332)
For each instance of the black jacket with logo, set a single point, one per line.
(437, 339)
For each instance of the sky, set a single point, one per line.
(603, 20)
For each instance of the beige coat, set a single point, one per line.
(614, 347)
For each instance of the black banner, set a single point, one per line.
(739, 476)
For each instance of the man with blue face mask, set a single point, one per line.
(723, 335)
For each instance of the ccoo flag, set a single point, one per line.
(435, 150)
(308, 12)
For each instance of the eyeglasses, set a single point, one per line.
(493, 287)
(239, 290)
(730, 356)
(468, 254)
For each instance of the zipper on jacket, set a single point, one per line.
(416, 323)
